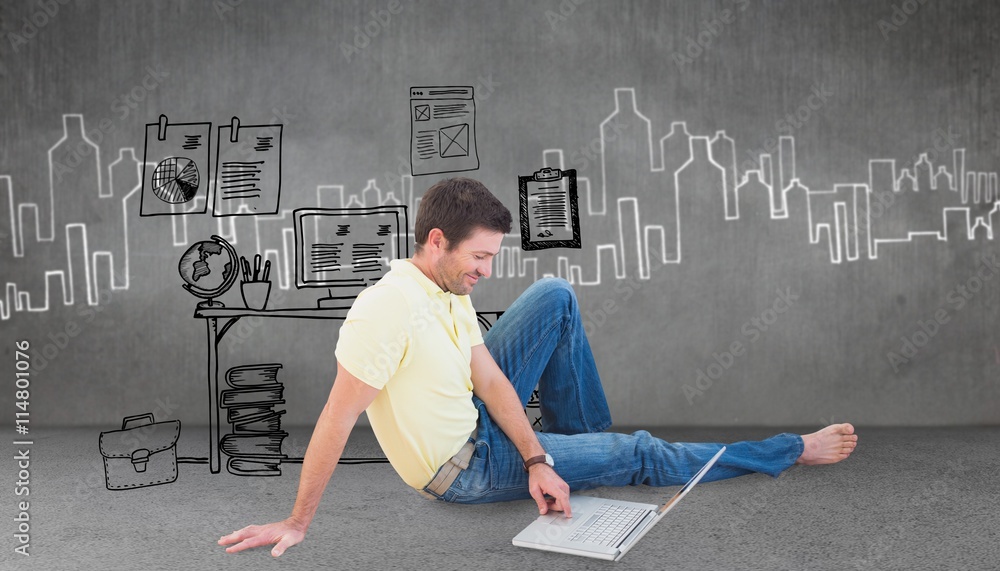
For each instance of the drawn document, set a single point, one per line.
(175, 168)
(248, 169)
(442, 130)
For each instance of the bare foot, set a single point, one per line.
(829, 445)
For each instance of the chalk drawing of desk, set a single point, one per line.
(218, 321)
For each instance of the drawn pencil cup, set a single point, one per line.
(256, 285)
(255, 294)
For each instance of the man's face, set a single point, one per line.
(457, 271)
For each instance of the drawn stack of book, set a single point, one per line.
(254, 446)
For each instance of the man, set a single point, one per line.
(446, 404)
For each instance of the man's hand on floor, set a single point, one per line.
(284, 533)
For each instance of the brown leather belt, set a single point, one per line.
(452, 468)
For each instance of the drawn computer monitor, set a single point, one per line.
(347, 249)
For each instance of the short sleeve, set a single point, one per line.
(375, 336)
(471, 321)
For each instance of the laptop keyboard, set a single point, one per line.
(609, 525)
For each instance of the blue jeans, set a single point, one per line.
(540, 340)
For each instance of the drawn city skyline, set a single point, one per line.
(684, 178)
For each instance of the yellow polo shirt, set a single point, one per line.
(413, 342)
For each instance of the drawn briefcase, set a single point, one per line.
(143, 453)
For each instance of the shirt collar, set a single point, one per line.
(406, 267)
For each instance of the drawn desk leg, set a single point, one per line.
(215, 335)
(213, 394)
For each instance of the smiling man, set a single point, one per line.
(446, 403)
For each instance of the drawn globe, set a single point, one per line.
(209, 268)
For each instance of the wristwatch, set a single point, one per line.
(545, 459)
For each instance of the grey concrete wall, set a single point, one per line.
(786, 208)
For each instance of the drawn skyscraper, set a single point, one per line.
(643, 207)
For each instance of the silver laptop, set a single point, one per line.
(599, 528)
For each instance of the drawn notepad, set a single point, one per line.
(247, 169)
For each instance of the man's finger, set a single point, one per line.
(569, 509)
(566, 508)
(539, 497)
(233, 537)
(255, 541)
(237, 547)
(245, 544)
(562, 502)
(282, 545)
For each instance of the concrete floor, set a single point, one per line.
(911, 498)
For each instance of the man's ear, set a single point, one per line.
(436, 240)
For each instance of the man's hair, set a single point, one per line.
(458, 206)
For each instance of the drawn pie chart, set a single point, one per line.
(175, 180)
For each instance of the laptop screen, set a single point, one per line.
(690, 483)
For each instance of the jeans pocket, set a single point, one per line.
(476, 480)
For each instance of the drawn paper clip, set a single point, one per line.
(234, 133)
(161, 131)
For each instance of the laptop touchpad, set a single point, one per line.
(560, 519)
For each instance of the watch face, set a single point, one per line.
(549, 460)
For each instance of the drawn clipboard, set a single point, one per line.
(175, 168)
(550, 214)
(247, 169)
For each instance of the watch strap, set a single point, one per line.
(534, 460)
